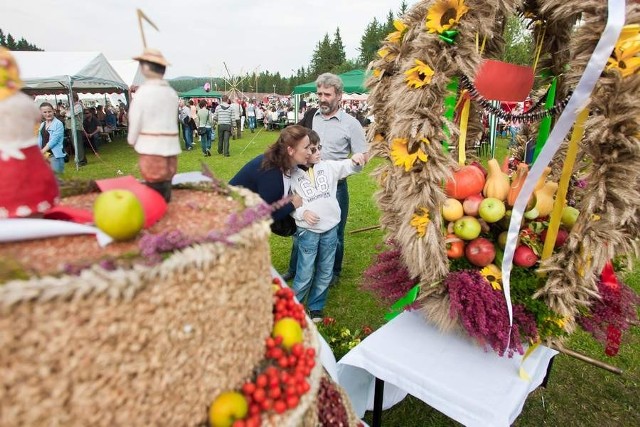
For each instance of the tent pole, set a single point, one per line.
(74, 134)
(296, 98)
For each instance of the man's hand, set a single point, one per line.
(359, 159)
(310, 217)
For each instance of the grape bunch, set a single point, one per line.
(331, 410)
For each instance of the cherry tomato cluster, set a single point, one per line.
(281, 385)
(285, 306)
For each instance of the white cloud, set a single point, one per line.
(198, 36)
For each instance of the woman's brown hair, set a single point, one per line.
(276, 155)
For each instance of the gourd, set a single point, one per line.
(544, 201)
(465, 182)
(516, 184)
(497, 183)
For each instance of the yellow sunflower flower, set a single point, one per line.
(377, 73)
(444, 15)
(403, 156)
(493, 275)
(386, 54)
(625, 56)
(420, 220)
(419, 75)
(396, 36)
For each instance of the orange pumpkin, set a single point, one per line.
(465, 182)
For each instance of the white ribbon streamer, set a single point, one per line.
(18, 229)
(578, 101)
(13, 149)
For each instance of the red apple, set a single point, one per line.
(471, 204)
(562, 237)
(480, 252)
(524, 256)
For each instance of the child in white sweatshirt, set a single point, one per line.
(317, 220)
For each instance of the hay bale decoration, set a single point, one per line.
(428, 109)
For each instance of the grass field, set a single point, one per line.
(578, 394)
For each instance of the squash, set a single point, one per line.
(497, 183)
(519, 178)
(544, 199)
(542, 179)
(466, 181)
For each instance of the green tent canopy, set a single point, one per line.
(353, 80)
(199, 92)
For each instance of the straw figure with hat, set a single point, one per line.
(153, 129)
(29, 187)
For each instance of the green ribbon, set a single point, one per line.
(545, 124)
(450, 109)
(399, 306)
(449, 36)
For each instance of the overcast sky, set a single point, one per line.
(197, 36)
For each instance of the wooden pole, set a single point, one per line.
(587, 359)
(360, 230)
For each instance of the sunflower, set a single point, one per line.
(386, 54)
(419, 75)
(396, 36)
(625, 54)
(420, 220)
(377, 73)
(444, 14)
(403, 156)
(493, 275)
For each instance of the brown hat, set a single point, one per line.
(152, 55)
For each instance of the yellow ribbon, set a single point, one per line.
(563, 185)
(464, 119)
(522, 372)
(539, 48)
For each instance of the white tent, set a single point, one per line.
(57, 72)
(129, 70)
(67, 72)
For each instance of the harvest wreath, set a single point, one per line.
(564, 227)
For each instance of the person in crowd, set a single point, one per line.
(259, 116)
(78, 112)
(269, 174)
(317, 223)
(203, 119)
(111, 122)
(224, 117)
(184, 116)
(153, 130)
(91, 129)
(236, 108)
(243, 113)
(51, 137)
(341, 135)
(251, 114)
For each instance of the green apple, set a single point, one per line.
(492, 209)
(467, 228)
(569, 216)
(227, 408)
(119, 214)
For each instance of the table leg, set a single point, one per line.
(548, 374)
(378, 396)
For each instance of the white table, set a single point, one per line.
(446, 371)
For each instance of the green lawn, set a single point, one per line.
(578, 394)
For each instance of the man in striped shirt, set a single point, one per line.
(223, 116)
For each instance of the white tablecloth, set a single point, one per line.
(446, 371)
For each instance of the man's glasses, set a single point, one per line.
(314, 149)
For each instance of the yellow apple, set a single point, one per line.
(119, 214)
(290, 330)
(226, 408)
(452, 209)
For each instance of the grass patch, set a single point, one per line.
(577, 395)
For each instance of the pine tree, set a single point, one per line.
(337, 48)
(11, 43)
(321, 61)
(369, 43)
(3, 40)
